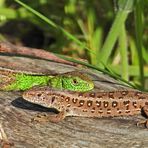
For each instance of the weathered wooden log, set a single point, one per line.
(16, 115)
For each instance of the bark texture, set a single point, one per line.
(73, 132)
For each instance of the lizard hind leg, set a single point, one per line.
(145, 122)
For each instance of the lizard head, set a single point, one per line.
(74, 81)
(44, 96)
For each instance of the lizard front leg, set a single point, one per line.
(145, 122)
(52, 118)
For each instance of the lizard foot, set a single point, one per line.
(145, 122)
(41, 118)
(48, 117)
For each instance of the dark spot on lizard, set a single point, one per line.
(100, 111)
(105, 103)
(98, 103)
(120, 98)
(52, 99)
(81, 103)
(67, 99)
(80, 95)
(127, 111)
(135, 104)
(43, 98)
(114, 104)
(99, 97)
(127, 107)
(84, 110)
(39, 94)
(111, 95)
(108, 111)
(93, 110)
(141, 97)
(92, 95)
(124, 93)
(62, 96)
(126, 103)
(119, 111)
(68, 105)
(138, 93)
(74, 100)
(67, 110)
(89, 103)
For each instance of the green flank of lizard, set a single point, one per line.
(74, 81)
(25, 81)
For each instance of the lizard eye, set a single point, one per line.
(75, 81)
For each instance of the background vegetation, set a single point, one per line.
(111, 35)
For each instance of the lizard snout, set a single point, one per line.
(28, 96)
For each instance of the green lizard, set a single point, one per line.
(11, 80)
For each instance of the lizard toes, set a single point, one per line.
(41, 118)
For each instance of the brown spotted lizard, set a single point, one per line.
(89, 104)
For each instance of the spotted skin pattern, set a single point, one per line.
(89, 104)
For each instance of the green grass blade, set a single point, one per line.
(123, 53)
(125, 6)
(51, 23)
(139, 29)
(112, 37)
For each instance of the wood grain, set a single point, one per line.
(74, 132)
